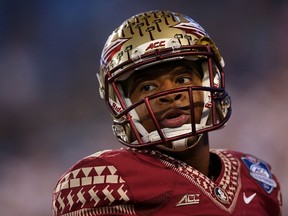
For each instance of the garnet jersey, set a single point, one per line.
(142, 182)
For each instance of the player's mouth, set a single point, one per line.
(174, 118)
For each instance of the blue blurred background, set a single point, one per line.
(50, 112)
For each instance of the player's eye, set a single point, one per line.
(146, 88)
(183, 80)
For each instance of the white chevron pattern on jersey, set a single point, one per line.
(70, 180)
(86, 185)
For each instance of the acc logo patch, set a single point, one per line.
(260, 171)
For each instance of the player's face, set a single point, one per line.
(172, 110)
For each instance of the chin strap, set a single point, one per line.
(182, 144)
(177, 145)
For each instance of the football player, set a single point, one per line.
(162, 79)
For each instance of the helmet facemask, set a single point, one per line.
(127, 124)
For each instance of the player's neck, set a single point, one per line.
(197, 157)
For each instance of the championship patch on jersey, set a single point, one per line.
(260, 171)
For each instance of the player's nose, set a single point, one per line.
(170, 98)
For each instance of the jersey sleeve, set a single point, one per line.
(93, 186)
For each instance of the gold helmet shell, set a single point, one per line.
(148, 31)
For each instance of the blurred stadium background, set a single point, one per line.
(51, 114)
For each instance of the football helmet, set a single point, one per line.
(152, 38)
